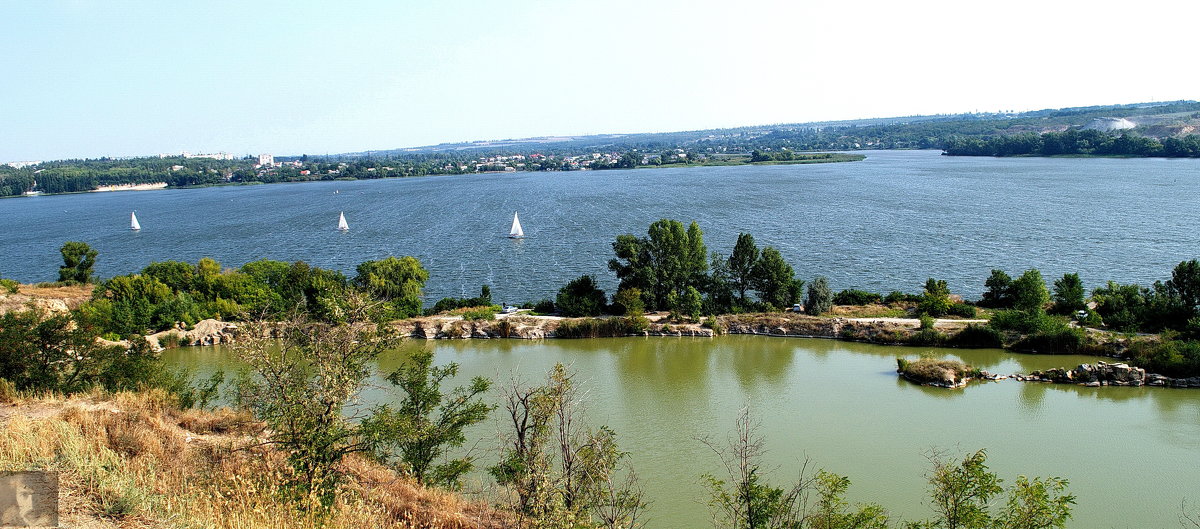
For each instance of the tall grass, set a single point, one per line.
(141, 461)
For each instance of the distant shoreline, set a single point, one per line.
(733, 160)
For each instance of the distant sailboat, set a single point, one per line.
(133, 223)
(342, 226)
(516, 232)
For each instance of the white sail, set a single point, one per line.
(342, 226)
(133, 223)
(516, 232)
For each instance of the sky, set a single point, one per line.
(126, 78)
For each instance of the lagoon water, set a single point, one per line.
(885, 223)
(1131, 454)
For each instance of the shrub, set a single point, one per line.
(936, 299)
(580, 297)
(820, 297)
(1172, 357)
(481, 313)
(896, 296)
(544, 306)
(856, 297)
(169, 340)
(927, 337)
(978, 336)
(10, 285)
(1026, 322)
(961, 310)
(712, 323)
(1064, 340)
(927, 321)
(597, 328)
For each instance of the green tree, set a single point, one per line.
(580, 297)
(42, 351)
(820, 297)
(630, 301)
(1037, 504)
(669, 259)
(833, 511)
(774, 279)
(1185, 285)
(396, 281)
(935, 301)
(961, 493)
(561, 473)
(999, 291)
(691, 304)
(300, 385)
(742, 263)
(1029, 291)
(428, 423)
(1068, 294)
(78, 261)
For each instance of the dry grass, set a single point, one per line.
(868, 311)
(72, 295)
(936, 371)
(136, 460)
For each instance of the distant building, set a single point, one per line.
(21, 165)
(266, 159)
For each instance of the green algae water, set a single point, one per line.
(1131, 454)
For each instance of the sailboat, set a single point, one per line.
(342, 226)
(516, 232)
(133, 223)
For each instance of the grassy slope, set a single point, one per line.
(136, 460)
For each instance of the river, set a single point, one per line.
(1130, 453)
(885, 223)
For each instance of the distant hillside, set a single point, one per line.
(1158, 120)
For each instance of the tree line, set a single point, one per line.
(1074, 142)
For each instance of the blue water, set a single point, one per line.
(886, 223)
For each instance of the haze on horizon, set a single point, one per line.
(91, 79)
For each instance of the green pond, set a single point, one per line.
(1132, 455)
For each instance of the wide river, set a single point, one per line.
(885, 223)
(1131, 454)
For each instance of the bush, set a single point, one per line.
(1171, 358)
(598, 328)
(927, 322)
(481, 313)
(1064, 340)
(1026, 322)
(581, 297)
(961, 310)
(711, 322)
(10, 285)
(896, 296)
(927, 337)
(856, 297)
(978, 336)
(544, 306)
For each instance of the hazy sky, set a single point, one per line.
(119, 78)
